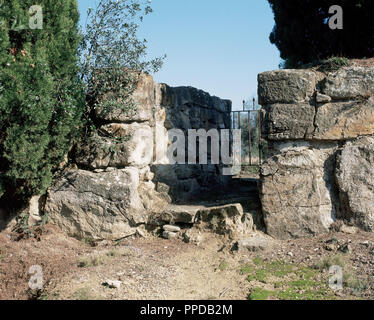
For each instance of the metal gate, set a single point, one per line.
(249, 121)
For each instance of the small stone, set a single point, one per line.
(348, 230)
(322, 98)
(169, 235)
(113, 284)
(330, 247)
(365, 243)
(290, 254)
(140, 233)
(345, 248)
(256, 243)
(171, 228)
(192, 236)
(339, 293)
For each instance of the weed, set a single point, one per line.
(258, 261)
(90, 241)
(260, 294)
(223, 266)
(333, 64)
(91, 262)
(290, 282)
(247, 269)
(113, 253)
(328, 262)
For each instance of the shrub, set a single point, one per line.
(41, 99)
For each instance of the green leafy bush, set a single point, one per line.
(41, 97)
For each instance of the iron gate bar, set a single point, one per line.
(249, 112)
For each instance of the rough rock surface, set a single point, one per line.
(350, 83)
(355, 178)
(125, 177)
(316, 173)
(186, 108)
(344, 120)
(295, 193)
(134, 149)
(286, 86)
(228, 220)
(255, 243)
(97, 205)
(144, 99)
(289, 121)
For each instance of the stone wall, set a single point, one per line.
(118, 185)
(320, 128)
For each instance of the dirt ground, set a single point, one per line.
(154, 268)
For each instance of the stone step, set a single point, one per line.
(228, 220)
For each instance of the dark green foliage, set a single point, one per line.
(302, 33)
(41, 101)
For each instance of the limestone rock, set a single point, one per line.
(350, 83)
(152, 201)
(288, 121)
(97, 205)
(344, 120)
(181, 97)
(286, 86)
(228, 220)
(34, 210)
(255, 243)
(171, 228)
(135, 148)
(179, 214)
(112, 284)
(144, 100)
(193, 236)
(322, 98)
(296, 191)
(355, 179)
(169, 235)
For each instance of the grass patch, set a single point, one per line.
(290, 281)
(333, 64)
(260, 294)
(340, 260)
(223, 266)
(113, 253)
(91, 262)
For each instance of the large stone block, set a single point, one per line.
(355, 178)
(350, 83)
(344, 120)
(134, 147)
(288, 121)
(286, 86)
(97, 205)
(190, 97)
(144, 100)
(296, 191)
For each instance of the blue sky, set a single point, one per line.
(218, 46)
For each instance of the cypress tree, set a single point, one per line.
(302, 33)
(41, 100)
